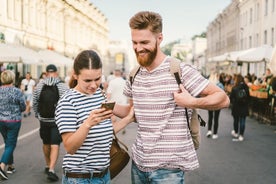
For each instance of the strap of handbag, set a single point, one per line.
(118, 141)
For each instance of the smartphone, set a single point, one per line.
(108, 105)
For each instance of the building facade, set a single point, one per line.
(64, 26)
(242, 25)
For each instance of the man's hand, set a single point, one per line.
(183, 98)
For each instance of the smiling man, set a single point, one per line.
(163, 149)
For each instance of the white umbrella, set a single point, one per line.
(258, 54)
(272, 64)
(27, 55)
(52, 57)
(8, 54)
(17, 53)
(219, 58)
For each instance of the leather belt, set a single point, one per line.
(85, 175)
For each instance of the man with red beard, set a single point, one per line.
(163, 149)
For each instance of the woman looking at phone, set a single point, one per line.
(85, 127)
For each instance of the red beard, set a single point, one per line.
(147, 56)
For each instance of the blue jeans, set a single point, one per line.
(239, 124)
(9, 132)
(159, 176)
(103, 180)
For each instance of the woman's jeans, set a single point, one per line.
(159, 176)
(103, 180)
(239, 124)
(10, 133)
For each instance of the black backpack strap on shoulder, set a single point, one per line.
(133, 73)
(187, 118)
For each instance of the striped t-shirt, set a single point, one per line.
(163, 139)
(93, 156)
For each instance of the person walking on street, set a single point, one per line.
(115, 88)
(216, 79)
(45, 98)
(12, 104)
(27, 87)
(240, 107)
(163, 149)
(115, 91)
(85, 127)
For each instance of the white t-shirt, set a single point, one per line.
(116, 90)
(30, 83)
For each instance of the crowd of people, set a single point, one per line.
(232, 85)
(153, 99)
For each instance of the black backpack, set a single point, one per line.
(241, 95)
(48, 99)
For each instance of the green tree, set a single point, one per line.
(202, 35)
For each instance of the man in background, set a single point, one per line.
(27, 87)
(45, 98)
(116, 87)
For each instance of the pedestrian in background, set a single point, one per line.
(213, 115)
(27, 87)
(12, 104)
(240, 107)
(163, 149)
(85, 127)
(42, 76)
(115, 91)
(44, 108)
(115, 88)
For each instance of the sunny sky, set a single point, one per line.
(182, 19)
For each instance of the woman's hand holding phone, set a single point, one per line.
(98, 115)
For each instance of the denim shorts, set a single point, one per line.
(159, 176)
(28, 97)
(103, 180)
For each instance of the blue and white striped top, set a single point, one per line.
(72, 109)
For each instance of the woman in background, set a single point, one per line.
(240, 107)
(216, 79)
(12, 104)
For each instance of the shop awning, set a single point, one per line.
(17, 53)
(52, 57)
(258, 54)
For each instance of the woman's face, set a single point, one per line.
(88, 80)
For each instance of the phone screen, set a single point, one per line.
(108, 105)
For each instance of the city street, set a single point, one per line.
(222, 161)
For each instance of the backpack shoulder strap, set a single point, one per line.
(133, 73)
(175, 69)
(176, 72)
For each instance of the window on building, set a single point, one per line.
(10, 9)
(272, 36)
(266, 8)
(251, 16)
(265, 37)
(250, 41)
(257, 12)
(25, 12)
(17, 12)
(272, 5)
(257, 40)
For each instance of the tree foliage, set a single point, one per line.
(202, 35)
(168, 47)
